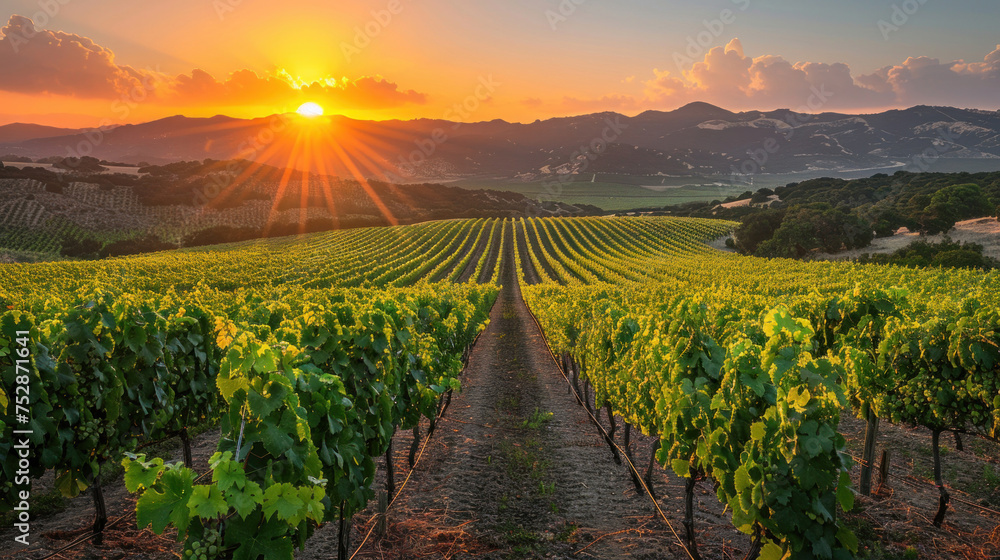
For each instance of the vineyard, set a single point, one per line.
(313, 353)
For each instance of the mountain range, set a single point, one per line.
(697, 139)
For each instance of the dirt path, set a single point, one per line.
(486, 274)
(531, 276)
(516, 469)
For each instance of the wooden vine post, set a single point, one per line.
(414, 445)
(344, 535)
(868, 456)
(690, 538)
(649, 470)
(186, 445)
(756, 545)
(631, 461)
(390, 474)
(100, 510)
(883, 469)
(945, 496)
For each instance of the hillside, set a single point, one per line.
(44, 214)
(824, 216)
(695, 140)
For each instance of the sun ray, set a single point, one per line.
(283, 184)
(363, 181)
(327, 192)
(304, 187)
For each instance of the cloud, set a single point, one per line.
(928, 81)
(42, 61)
(246, 87)
(366, 92)
(54, 62)
(724, 72)
(726, 76)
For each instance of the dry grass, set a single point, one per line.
(984, 231)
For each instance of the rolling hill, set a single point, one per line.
(695, 140)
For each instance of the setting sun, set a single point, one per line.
(310, 109)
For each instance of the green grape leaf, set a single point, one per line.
(268, 540)
(141, 474)
(757, 431)
(681, 467)
(771, 551)
(277, 439)
(230, 382)
(284, 500)
(70, 484)
(135, 337)
(845, 495)
(228, 473)
(245, 501)
(262, 405)
(207, 502)
(313, 498)
(742, 479)
(166, 502)
(755, 384)
(848, 539)
(266, 361)
(812, 445)
(821, 548)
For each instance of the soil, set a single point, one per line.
(720, 244)
(122, 540)
(899, 514)
(531, 275)
(486, 273)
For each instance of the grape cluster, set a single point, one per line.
(208, 547)
(90, 433)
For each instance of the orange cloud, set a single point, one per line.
(729, 78)
(246, 87)
(54, 62)
(42, 61)
(925, 80)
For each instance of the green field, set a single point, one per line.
(617, 192)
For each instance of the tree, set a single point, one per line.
(80, 248)
(817, 228)
(962, 202)
(757, 228)
(761, 196)
(148, 244)
(960, 258)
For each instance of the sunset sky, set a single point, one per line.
(88, 61)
